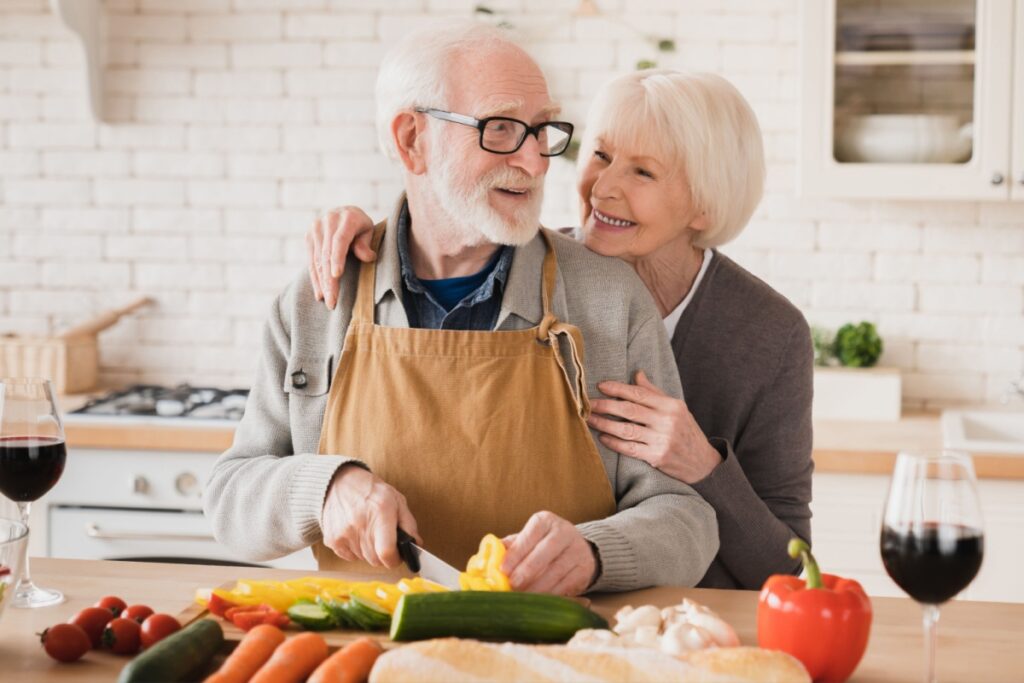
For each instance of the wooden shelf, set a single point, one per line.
(909, 57)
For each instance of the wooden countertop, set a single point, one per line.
(978, 642)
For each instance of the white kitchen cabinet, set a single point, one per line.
(907, 99)
(847, 519)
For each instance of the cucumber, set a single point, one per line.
(339, 612)
(178, 657)
(524, 617)
(311, 616)
(366, 615)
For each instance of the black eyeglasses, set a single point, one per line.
(502, 135)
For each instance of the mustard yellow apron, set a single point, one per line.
(478, 429)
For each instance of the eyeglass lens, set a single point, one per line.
(505, 135)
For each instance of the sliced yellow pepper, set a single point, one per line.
(483, 571)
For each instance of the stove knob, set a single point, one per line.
(187, 484)
(140, 485)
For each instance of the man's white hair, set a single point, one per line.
(698, 123)
(414, 72)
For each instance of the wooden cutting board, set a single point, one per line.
(335, 638)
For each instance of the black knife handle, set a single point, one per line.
(406, 552)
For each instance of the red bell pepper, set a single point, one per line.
(824, 622)
(218, 605)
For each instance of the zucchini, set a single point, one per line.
(311, 616)
(366, 615)
(524, 617)
(181, 656)
(337, 610)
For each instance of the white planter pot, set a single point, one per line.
(857, 394)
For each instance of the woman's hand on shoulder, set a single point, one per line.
(328, 242)
(659, 430)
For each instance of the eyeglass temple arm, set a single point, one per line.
(449, 116)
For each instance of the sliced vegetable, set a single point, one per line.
(246, 617)
(252, 652)
(525, 617)
(311, 616)
(339, 612)
(483, 571)
(293, 660)
(65, 642)
(367, 615)
(350, 664)
(218, 605)
(181, 656)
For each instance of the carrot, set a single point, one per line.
(293, 660)
(252, 652)
(350, 664)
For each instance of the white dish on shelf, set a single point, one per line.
(904, 139)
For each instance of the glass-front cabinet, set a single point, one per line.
(913, 99)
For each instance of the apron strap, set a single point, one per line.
(364, 308)
(550, 329)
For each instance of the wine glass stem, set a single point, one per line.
(931, 629)
(25, 582)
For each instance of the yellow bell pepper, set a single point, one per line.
(483, 571)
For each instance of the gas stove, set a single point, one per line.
(154, 404)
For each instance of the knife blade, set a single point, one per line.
(426, 564)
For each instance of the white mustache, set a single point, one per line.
(511, 179)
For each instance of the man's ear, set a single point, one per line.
(409, 131)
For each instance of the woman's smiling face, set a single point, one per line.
(631, 202)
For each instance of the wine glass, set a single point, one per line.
(32, 455)
(932, 538)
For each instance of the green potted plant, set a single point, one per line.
(848, 385)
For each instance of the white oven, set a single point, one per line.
(135, 505)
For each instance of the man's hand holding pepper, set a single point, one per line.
(549, 555)
(361, 515)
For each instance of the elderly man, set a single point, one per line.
(446, 394)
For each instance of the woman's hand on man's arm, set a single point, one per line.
(660, 429)
(328, 242)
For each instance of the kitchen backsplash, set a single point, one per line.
(233, 121)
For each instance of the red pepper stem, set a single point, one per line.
(798, 548)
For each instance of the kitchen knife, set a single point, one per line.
(427, 565)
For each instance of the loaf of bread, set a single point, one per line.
(453, 660)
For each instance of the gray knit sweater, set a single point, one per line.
(746, 363)
(266, 492)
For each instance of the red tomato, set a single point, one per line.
(122, 636)
(137, 612)
(65, 642)
(157, 627)
(92, 620)
(112, 603)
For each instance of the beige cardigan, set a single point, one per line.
(266, 492)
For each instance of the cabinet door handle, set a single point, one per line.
(997, 178)
(92, 530)
(1022, 178)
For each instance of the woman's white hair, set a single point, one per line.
(697, 123)
(414, 72)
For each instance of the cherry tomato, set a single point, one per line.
(122, 636)
(112, 603)
(157, 627)
(92, 620)
(137, 612)
(65, 642)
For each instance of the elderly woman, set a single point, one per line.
(672, 167)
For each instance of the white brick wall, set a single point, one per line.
(233, 121)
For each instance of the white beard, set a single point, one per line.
(471, 218)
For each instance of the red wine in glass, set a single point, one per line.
(932, 538)
(934, 562)
(30, 466)
(32, 456)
